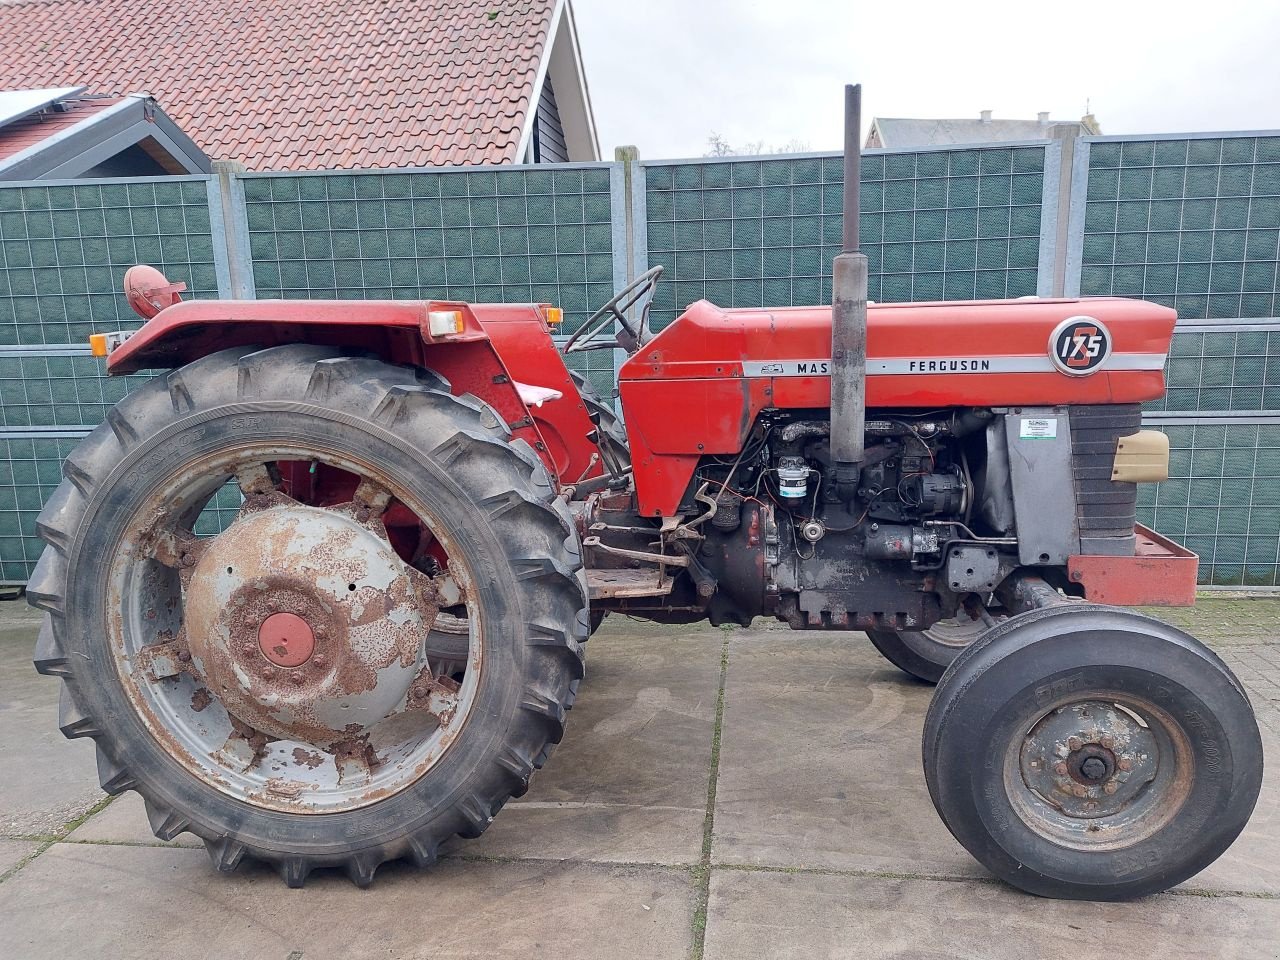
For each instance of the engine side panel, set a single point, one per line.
(679, 404)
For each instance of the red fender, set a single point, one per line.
(499, 347)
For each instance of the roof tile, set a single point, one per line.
(245, 89)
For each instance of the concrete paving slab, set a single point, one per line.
(774, 915)
(629, 782)
(124, 820)
(820, 760)
(48, 779)
(830, 778)
(12, 853)
(79, 900)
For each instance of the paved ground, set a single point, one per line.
(733, 794)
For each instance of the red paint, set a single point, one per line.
(1160, 573)
(286, 640)
(685, 394)
(397, 331)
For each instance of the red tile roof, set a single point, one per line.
(27, 132)
(300, 84)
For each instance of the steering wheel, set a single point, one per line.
(633, 335)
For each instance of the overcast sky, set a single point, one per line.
(664, 74)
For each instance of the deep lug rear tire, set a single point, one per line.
(450, 454)
(1173, 751)
(926, 654)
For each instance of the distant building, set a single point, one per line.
(897, 133)
(325, 84)
(64, 134)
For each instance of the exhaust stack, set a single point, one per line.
(849, 317)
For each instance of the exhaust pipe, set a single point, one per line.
(849, 318)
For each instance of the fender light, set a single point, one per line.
(101, 344)
(445, 323)
(553, 315)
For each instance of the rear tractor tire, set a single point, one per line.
(268, 688)
(926, 654)
(1090, 753)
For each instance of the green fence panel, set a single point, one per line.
(958, 224)
(30, 470)
(1223, 369)
(1222, 500)
(517, 235)
(64, 249)
(1193, 223)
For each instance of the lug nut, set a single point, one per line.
(320, 660)
(1110, 788)
(267, 673)
(1080, 790)
(1060, 768)
(248, 647)
(296, 679)
(1108, 742)
(1075, 743)
(1124, 763)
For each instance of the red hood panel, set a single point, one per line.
(990, 352)
(700, 384)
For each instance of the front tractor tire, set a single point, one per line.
(270, 688)
(1086, 752)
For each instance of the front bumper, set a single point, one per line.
(1160, 573)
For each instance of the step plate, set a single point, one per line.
(605, 584)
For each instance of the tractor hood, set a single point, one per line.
(979, 353)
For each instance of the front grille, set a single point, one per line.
(1105, 508)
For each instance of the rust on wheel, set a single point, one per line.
(284, 659)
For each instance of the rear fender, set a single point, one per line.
(394, 330)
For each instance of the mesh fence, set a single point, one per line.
(64, 249)
(1191, 223)
(30, 470)
(1222, 369)
(958, 224)
(480, 236)
(1222, 500)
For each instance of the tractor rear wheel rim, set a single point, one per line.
(283, 660)
(1103, 770)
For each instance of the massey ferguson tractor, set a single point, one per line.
(426, 514)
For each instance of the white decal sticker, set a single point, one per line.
(1039, 428)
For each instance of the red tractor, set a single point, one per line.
(431, 513)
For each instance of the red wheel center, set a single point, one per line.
(286, 639)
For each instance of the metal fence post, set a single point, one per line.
(1052, 221)
(230, 222)
(624, 231)
(1073, 255)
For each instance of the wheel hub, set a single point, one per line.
(286, 639)
(1089, 759)
(306, 624)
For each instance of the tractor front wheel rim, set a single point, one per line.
(1099, 771)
